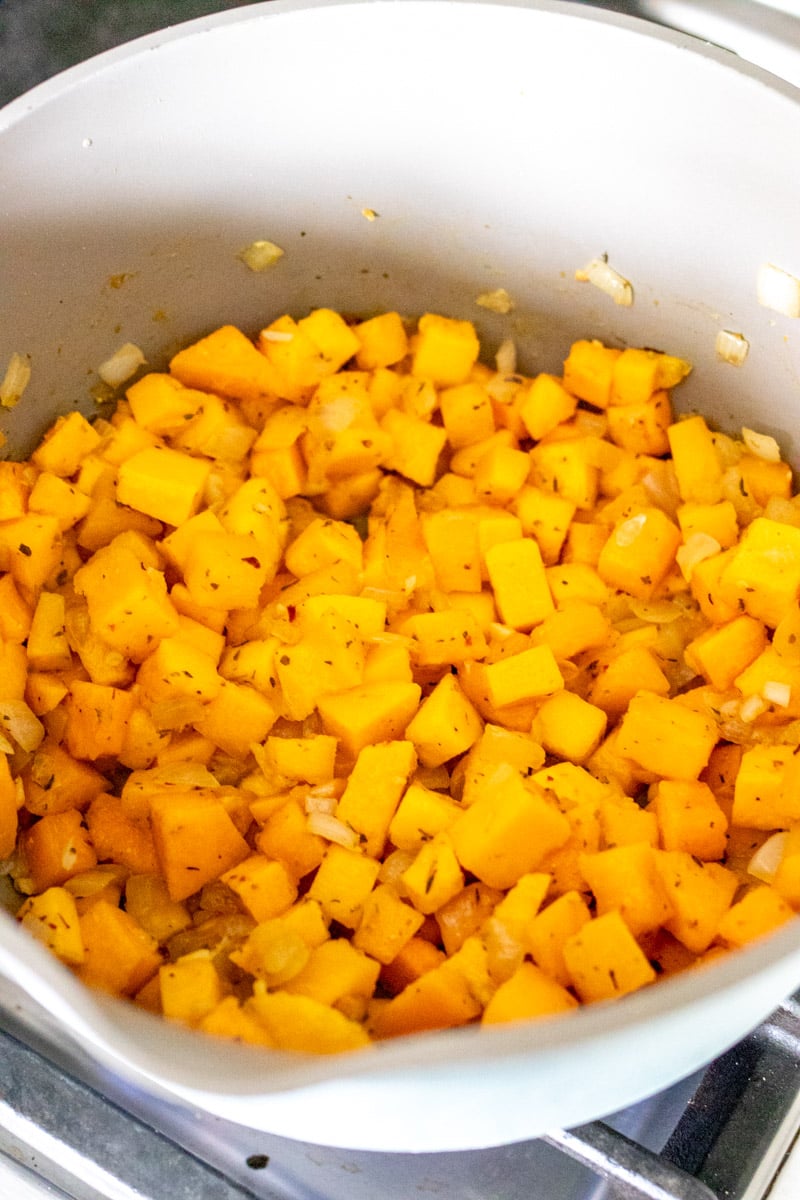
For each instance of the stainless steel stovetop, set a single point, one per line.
(76, 1128)
(72, 1131)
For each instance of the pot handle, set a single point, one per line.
(765, 34)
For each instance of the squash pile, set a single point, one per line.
(352, 687)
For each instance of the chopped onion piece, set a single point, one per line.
(751, 708)
(604, 277)
(694, 550)
(777, 693)
(276, 335)
(629, 530)
(15, 380)
(778, 290)
(394, 865)
(762, 445)
(506, 357)
(369, 214)
(497, 301)
(123, 364)
(656, 612)
(261, 255)
(327, 826)
(731, 347)
(21, 724)
(315, 803)
(767, 858)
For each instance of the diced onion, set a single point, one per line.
(327, 826)
(629, 530)
(506, 357)
(751, 708)
(123, 364)
(497, 301)
(695, 549)
(15, 380)
(21, 724)
(604, 277)
(777, 693)
(260, 255)
(276, 335)
(762, 445)
(778, 290)
(767, 858)
(731, 347)
(656, 612)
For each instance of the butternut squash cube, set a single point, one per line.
(48, 648)
(195, 839)
(52, 918)
(342, 883)
(310, 759)
(718, 521)
(440, 998)
(163, 483)
(589, 370)
(372, 712)
(689, 818)
(265, 888)
(699, 895)
(529, 993)
(225, 362)
(569, 726)
(442, 638)
(444, 350)
(696, 461)
(373, 791)
(722, 653)
(762, 575)
(640, 552)
(765, 793)
(226, 570)
(237, 717)
(761, 911)
(434, 877)
(339, 974)
(97, 719)
(322, 543)
(451, 537)
(621, 674)
(625, 880)
(508, 830)
(546, 405)
(604, 960)
(387, 924)
(54, 496)
(190, 987)
(529, 675)
(68, 441)
(445, 725)
(382, 341)
(300, 1023)
(420, 815)
(285, 836)
(467, 414)
(415, 446)
(119, 957)
(666, 736)
(129, 608)
(551, 928)
(517, 575)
